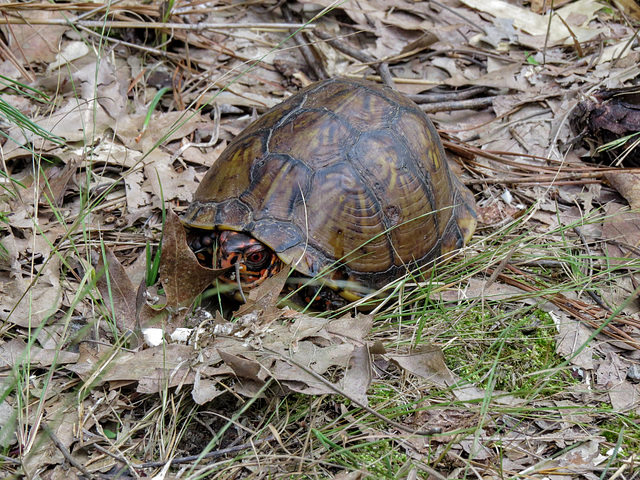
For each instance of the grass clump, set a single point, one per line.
(515, 350)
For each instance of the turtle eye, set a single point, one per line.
(257, 259)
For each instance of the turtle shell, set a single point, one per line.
(346, 178)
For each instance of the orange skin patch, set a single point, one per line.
(256, 262)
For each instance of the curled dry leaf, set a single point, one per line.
(182, 276)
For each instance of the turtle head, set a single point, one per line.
(255, 261)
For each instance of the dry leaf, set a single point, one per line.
(28, 305)
(118, 293)
(577, 14)
(629, 7)
(37, 43)
(15, 353)
(427, 363)
(622, 228)
(182, 276)
(357, 377)
(573, 335)
(55, 187)
(628, 185)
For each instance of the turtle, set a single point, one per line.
(346, 182)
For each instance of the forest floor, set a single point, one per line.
(518, 359)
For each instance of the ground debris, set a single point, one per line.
(524, 353)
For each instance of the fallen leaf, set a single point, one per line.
(205, 390)
(630, 7)
(573, 335)
(357, 377)
(628, 185)
(16, 354)
(242, 367)
(154, 368)
(55, 187)
(622, 230)
(556, 32)
(27, 303)
(168, 183)
(118, 293)
(33, 42)
(427, 363)
(60, 418)
(181, 275)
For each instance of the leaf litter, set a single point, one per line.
(81, 203)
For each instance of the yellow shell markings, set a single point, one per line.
(359, 166)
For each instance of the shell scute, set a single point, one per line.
(278, 186)
(316, 137)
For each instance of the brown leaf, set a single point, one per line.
(154, 368)
(623, 229)
(37, 42)
(572, 335)
(357, 378)
(264, 298)
(630, 7)
(428, 363)
(543, 6)
(242, 367)
(298, 380)
(26, 304)
(13, 354)
(627, 185)
(181, 275)
(60, 418)
(165, 181)
(352, 327)
(611, 377)
(54, 189)
(117, 291)
(205, 390)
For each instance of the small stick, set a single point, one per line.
(432, 97)
(381, 67)
(214, 454)
(305, 47)
(65, 452)
(156, 25)
(471, 104)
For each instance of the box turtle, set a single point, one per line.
(346, 180)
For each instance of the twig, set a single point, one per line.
(156, 25)
(65, 452)
(4, 458)
(471, 104)
(380, 66)
(305, 47)
(433, 97)
(214, 454)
